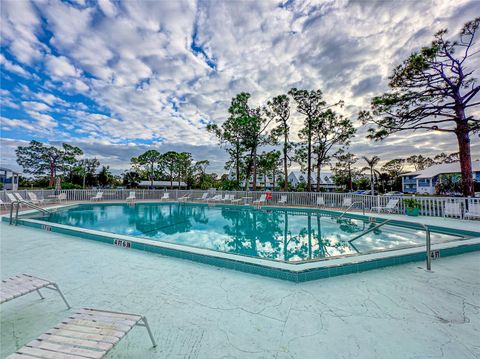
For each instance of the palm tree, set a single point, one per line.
(371, 163)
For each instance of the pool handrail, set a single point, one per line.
(28, 204)
(349, 207)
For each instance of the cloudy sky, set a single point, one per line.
(117, 78)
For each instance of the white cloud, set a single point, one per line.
(60, 66)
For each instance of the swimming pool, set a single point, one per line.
(279, 234)
(295, 244)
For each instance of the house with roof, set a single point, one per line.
(326, 180)
(424, 181)
(9, 179)
(163, 184)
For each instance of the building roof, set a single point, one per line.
(3, 169)
(161, 184)
(444, 168)
(326, 178)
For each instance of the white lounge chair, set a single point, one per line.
(389, 208)
(452, 209)
(262, 199)
(347, 202)
(204, 196)
(63, 197)
(283, 199)
(98, 197)
(234, 200)
(3, 204)
(320, 201)
(183, 198)
(20, 285)
(88, 333)
(215, 198)
(165, 197)
(34, 199)
(11, 197)
(473, 211)
(131, 197)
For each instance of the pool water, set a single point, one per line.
(280, 234)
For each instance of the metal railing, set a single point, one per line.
(28, 204)
(428, 241)
(349, 207)
(429, 206)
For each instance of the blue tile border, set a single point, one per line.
(333, 269)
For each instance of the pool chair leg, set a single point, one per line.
(145, 324)
(40, 294)
(61, 294)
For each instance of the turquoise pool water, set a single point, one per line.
(279, 234)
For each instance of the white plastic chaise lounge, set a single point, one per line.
(389, 208)
(262, 199)
(131, 197)
(166, 197)
(183, 198)
(320, 201)
(204, 197)
(20, 285)
(215, 198)
(11, 197)
(88, 333)
(34, 199)
(473, 211)
(347, 202)
(19, 197)
(452, 209)
(98, 197)
(282, 200)
(3, 204)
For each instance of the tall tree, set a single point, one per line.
(446, 158)
(105, 177)
(343, 171)
(419, 162)
(310, 104)
(394, 168)
(149, 161)
(279, 110)
(87, 169)
(268, 164)
(371, 164)
(329, 130)
(39, 159)
(184, 167)
(433, 90)
(170, 162)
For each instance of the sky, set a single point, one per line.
(118, 78)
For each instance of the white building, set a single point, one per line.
(162, 184)
(424, 181)
(326, 180)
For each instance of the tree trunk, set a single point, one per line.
(285, 163)
(151, 176)
(237, 164)
(309, 163)
(463, 139)
(52, 174)
(372, 184)
(171, 179)
(319, 165)
(255, 169)
(273, 180)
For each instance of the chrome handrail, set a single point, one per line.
(28, 204)
(363, 208)
(428, 241)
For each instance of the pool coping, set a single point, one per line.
(296, 272)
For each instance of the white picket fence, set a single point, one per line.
(429, 206)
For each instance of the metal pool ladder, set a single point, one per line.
(349, 207)
(28, 204)
(428, 243)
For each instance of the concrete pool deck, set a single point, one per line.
(201, 311)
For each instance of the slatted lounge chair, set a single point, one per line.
(389, 208)
(11, 197)
(320, 201)
(166, 197)
(183, 198)
(3, 204)
(283, 200)
(98, 197)
(452, 209)
(215, 198)
(347, 202)
(20, 285)
(473, 211)
(19, 197)
(34, 199)
(89, 333)
(131, 197)
(262, 199)
(235, 200)
(204, 197)
(63, 197)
